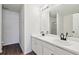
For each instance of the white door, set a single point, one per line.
(75, 25)
(10, 27)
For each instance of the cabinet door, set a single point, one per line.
(34, 45)
(37, 46)
(47, 51)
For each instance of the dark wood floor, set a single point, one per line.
(13, 49)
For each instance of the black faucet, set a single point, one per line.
(63, 37)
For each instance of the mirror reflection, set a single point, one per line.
(64, 18)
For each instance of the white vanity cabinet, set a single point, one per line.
(54, 50)
(37, 46)
(43, 48)
(47, 51)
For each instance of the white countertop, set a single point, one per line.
(71, 45)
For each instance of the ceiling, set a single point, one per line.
(65, 9)
(54, 8)
(12, 7)
(17, 7)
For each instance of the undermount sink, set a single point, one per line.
(59, 41)
(63, 42)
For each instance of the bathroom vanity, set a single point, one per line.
(54, 21)
(52, 45)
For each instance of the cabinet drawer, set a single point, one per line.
(56, 50)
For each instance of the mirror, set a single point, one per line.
(71, 24)
(64, 18)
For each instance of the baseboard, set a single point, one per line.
(31, 53)
(9, 44)
(25, 53)
(21, 48)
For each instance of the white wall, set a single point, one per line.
(31, 24)
(0, 27)
(10, 27)
(68, 24)
(21, 28)
(34, 19)
(45, 26)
